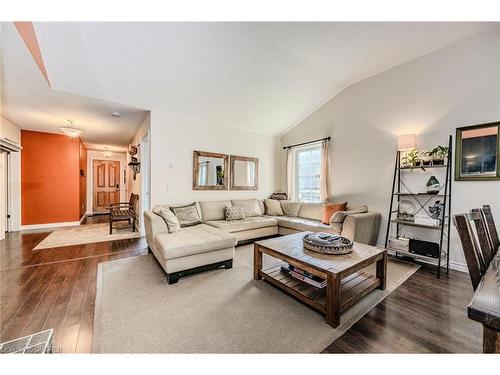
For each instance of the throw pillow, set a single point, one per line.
(290, 208)
(330, 208)
(234, 213)
(339, 216)
(171, 220)
(187, 215)
(273, 207)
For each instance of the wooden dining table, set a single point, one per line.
(485, 306)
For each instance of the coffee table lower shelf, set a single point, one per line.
(352, 288)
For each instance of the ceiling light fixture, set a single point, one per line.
(70, 131)
(107, 153)
(115, 114)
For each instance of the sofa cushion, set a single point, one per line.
(302, 224)
(196, 239)
(290, 208)
(213, 210)
(234, 213)
(273, 207)
(311, 210)
(171, 220)
(330, 208)
(249, 223)
(252, 206)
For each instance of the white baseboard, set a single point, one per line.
(459, 267)
(50, 225)
(453, 265)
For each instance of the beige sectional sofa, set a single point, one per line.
(212, 243)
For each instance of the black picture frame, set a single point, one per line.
(482, 150)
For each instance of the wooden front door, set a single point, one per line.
(106, 185)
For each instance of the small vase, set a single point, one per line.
(432, 185)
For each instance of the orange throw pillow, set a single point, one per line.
(330, 208)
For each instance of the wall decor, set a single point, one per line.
(477, 152)
(134, 163)
(433, 185)
(244, 173)
(210, 171)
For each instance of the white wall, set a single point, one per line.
(99, 155)
(174, 139)
(135, 186)
(12, 132)
(431, 96)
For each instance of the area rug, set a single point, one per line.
(88, 233)
(220, 311)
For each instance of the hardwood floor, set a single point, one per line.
(55, 288)
(424, 315)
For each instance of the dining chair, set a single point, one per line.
(491, 228)
(472, 251)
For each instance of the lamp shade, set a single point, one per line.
(407, 142)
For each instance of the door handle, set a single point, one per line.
(117, 186)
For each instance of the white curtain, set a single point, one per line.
(290, 173)
(324, 178)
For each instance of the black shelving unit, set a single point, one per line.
(444, 193)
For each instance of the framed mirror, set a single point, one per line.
(478, 152)
(210, 171)
(244, 173)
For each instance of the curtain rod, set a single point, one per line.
(306, 143)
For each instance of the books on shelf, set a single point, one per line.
(302, 275)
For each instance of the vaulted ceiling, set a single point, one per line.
(260, 77)
(29, 102)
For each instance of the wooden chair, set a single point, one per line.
(487, 253)
(123, 211)
(491, 228)
(473, 253)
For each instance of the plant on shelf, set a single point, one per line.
(426, 159)
(413, 159)
(439, 154)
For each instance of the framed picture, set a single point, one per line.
(477, 152)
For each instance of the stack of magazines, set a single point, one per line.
(305, 276)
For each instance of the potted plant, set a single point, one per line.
(439, 154)
(426, 158)
(412, 160)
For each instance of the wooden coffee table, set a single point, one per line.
(346, 282)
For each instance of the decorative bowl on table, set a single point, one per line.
(327, 243)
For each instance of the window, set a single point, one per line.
(308, 169)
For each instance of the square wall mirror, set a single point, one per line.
(478, 152)
(210, 171)
(244, 173)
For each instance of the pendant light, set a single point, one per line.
(70, 131)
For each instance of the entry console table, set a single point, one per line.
(346, 281)
(485, 306)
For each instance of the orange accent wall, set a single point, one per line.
(49, 178)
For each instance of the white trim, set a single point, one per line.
(82, 219)
(459, 267)
(453, 265)
(50, 225)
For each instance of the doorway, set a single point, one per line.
(106, 184)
